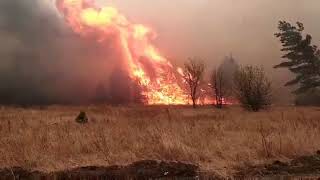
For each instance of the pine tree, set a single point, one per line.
(302, 58)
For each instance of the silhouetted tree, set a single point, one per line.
(226, 71)
(303, 58)
(218, 86)
(253, 88)
(193, 75)
(124, 90)
(137, 96)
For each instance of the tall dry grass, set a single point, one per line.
(49, 139)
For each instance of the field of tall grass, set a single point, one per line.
(49, 139)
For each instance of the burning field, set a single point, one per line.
(217, 141)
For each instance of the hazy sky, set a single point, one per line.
(214, 28)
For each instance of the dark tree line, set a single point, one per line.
(248, 84)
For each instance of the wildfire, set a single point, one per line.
(143, 60)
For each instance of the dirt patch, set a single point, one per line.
(304, 166)
(139, 170)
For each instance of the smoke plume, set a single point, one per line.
(43, 62)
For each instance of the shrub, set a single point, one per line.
(252, 88)
(82, 118)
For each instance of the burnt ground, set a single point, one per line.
(304, 167)
(140, 170)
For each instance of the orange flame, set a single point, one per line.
(135, 40)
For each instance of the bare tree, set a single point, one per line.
(221, 80)
(193, 75)
(228, 68)
(253, 88)
(218, 86)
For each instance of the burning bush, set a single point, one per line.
(253, 88)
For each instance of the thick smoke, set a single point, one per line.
(43, 62)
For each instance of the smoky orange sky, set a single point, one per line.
(34, 36)
(212, 29)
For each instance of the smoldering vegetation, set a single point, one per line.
(43, 62)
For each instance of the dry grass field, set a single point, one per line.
(49, 139)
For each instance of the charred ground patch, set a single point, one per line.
(147, 169)
(301, 167)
